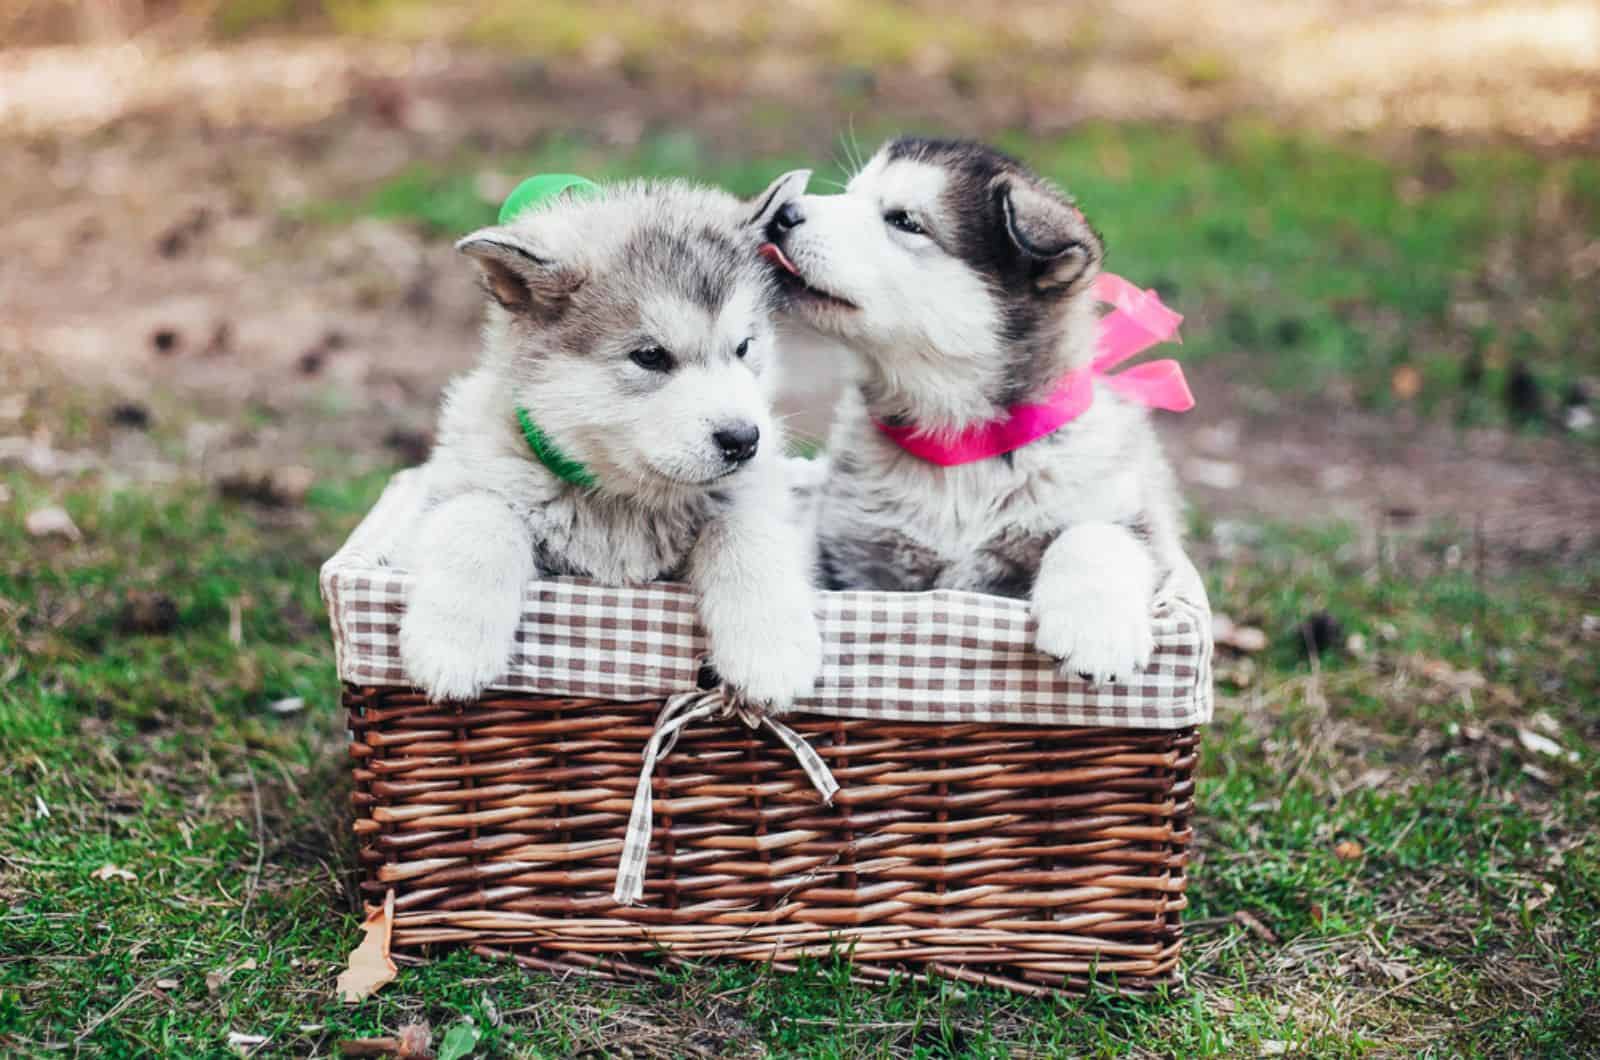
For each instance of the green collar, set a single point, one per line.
(560, 464)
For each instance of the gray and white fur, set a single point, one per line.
(964, 283)
(635, 326)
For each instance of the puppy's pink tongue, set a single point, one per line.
(774, 253)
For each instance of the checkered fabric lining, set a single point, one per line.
(941, 656)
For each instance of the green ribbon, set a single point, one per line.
(550, 455)
(538, 190)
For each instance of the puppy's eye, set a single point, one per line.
(743, 348)
(652, 358)
(904, 221)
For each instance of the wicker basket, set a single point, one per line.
(991, 821)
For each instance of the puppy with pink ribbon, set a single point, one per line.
(989, 441)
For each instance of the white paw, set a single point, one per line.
(1098, 637)
(773, 662)
(452, 647)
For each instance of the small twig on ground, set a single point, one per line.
(261, 846)
(127, 999)
(865, 1025)
(1314, 694)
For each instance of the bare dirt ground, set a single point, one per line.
(151, 252)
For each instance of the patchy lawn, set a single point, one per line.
(1400, 844)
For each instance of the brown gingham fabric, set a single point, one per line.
(942, 656)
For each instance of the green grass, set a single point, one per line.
(1467, 925)
(1305, 266)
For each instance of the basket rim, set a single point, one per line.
(941, 655)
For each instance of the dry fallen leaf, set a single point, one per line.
(1347, 850)
(1376, 777)
(1532, 902)
(245, 1042)
(1397, 971)
(1228, 634)
(1405, 383)
(1441, 672)
(109, 871)
(1546, 723)
(1251, 923)
(370, 966)
(52, 521)
(1532, 741)
(216, 979)
(416, 1041)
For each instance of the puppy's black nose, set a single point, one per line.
(738, 441)
(787, 217)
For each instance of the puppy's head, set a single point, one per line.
(634, 326)
(946, 258)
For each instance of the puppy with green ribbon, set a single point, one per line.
(617, 427)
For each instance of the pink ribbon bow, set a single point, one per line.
(1138, 320)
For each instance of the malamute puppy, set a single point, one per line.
(617, 427)
(963, 282)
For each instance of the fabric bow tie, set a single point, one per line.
(1137, 321)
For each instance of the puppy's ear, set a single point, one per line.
(1051, 237)
(789, 186)
(516, 276)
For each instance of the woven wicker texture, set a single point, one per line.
(1032, 858)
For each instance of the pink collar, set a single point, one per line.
(1137, 321)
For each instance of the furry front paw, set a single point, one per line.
(1100, 640)
(452, 649)
(771, 664)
